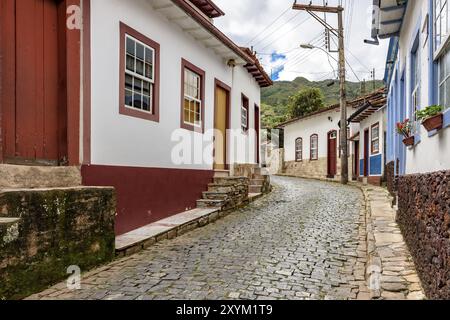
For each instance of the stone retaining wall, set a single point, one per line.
(424, 217)
(390, 177)
(56, 229)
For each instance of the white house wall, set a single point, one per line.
(119, 140)
(317, 124)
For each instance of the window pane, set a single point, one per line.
(146, 103)
(146, 90)
(130, 46)
(128, 98)
(138, 101)
(149, 71)
(148, 55)
(128, 82)
(139, 51)
(137, 85)
(139, 67)
(130, 63)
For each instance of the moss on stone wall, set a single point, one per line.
(57, 229)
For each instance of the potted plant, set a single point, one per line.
(405, 128)
(431, 117)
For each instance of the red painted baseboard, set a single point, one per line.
(146, 195)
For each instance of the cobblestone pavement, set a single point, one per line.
(303, 241)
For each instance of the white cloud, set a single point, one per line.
(245, 19)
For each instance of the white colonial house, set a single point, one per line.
(311, 143)
(135, 95)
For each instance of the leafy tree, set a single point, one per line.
(305, 101)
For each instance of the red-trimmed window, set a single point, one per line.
(314, 147)
(299, 150)
(375, 138)
(193, 97)
(139, 75)
(244, 113)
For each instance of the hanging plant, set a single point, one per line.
(405, 129)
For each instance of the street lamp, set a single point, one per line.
(310, 47)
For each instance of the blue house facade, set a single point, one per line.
(418, 168)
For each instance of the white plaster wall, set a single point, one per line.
(126, 141)
(317, 124)
(432, 153)
(242, 145)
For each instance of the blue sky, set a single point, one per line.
(278, 47)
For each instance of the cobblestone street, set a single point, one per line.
(302, 241)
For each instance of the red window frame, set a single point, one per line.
(245, 103)
(136, 113)
(190, 66)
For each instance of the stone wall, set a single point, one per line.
(390, 177)
(424, 217)
(50, 230)
(314, 168)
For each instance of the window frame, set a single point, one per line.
(315, 135)
(247, 109)
(154, 114)
(372, 140)
(199, 72)
(443, 83)
(440, 40)
(297, 151)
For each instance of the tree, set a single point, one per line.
(305, 101)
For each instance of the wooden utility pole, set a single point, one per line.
(312, 9)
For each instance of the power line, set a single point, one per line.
(277, 29)
(270, 25)
(285, 34)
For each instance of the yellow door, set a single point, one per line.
(220, 124)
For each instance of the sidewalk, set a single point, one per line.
(388, 255)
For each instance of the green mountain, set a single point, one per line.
(274, 99)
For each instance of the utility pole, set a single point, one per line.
(312, 9)
(373, 78)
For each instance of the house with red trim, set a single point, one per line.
(312, 142)
(147, 96)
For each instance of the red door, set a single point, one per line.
(257, 129)
(33, 85)
(366, 153)
(332, 154)
(357, 159)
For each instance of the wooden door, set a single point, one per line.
(257, 132)
(32, 97)
(357, 159)
(220, 126)
(332, 154)
(366, 153)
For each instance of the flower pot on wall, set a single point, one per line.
(409, 141)
(434, 123)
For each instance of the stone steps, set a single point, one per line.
(32, 177)
(221, 173)
(231, 180)
(210, 203)
(255, 189)
(217, 195)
